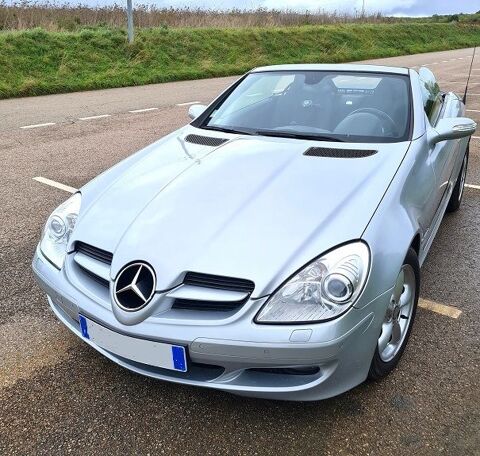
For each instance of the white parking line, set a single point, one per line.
(475, 137)
(52, 183)
(101, 116)
(188, 103)
(143, 110)
(47, 124)
(448, 311)
(476, 187)
(472, 110)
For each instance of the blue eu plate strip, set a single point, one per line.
(179, 361)
(83, 326)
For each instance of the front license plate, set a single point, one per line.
(143, 351)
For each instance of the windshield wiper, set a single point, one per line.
(287, 134)
(228, 130)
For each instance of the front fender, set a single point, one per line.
(396, 221)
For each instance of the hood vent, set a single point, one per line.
(330, 152)
(205, 140)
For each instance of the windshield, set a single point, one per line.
(324, 105)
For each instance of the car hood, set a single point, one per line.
(254, 207)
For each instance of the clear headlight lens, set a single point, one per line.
(58, 229)
(324, 289)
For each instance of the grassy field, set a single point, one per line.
(36, 61)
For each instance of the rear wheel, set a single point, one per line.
(457, 193)
(398, 320)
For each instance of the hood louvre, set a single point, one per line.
(205, 140)
(330, 152)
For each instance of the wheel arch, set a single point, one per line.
(415, 244)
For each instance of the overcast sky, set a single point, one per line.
(387, 7)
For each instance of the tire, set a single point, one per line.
(457, 194)
(406, 289)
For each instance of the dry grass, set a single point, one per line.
(55, 16)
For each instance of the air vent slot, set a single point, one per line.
(330, 152)
(211, 306)
(94, 252)
(220, 282)
(199, 280)
(205, 140)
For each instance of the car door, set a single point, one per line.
(442, 155)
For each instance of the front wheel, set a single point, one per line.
(456, 197)
(398, 320)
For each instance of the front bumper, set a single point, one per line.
(303, 362)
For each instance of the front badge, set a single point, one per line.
(134, 286)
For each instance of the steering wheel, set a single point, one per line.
(378, 113)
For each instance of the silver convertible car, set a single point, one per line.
(272, 247)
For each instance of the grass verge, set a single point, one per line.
(36, 62)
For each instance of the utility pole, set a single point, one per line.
(130, 21)
(363, 9)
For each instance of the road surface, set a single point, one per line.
(59, 396)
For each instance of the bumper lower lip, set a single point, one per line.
(254, 368)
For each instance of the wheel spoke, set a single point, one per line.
(406, 296)
(385, 337)
(398, 289)
(396, 332)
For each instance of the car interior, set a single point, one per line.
(373, 105)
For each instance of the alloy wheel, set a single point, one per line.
(399, 314)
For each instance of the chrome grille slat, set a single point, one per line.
(212, 306)
(221, 282)
(200, 280)
(94, 252)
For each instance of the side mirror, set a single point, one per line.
(452, 128)
(196, 110)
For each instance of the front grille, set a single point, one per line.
(220, 282)
(95, 277)
(212, 306)
(216, 282)
(329, 152)
(94, 252)
(205, 140)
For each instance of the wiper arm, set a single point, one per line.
(228, 130)
(287, 134)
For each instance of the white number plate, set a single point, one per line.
(143, 351)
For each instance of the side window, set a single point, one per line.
(432, 97)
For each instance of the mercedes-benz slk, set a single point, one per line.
(273, 246)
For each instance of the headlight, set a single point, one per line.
(58, 229)
(324, 289)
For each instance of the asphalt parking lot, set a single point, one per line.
(59, 396)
